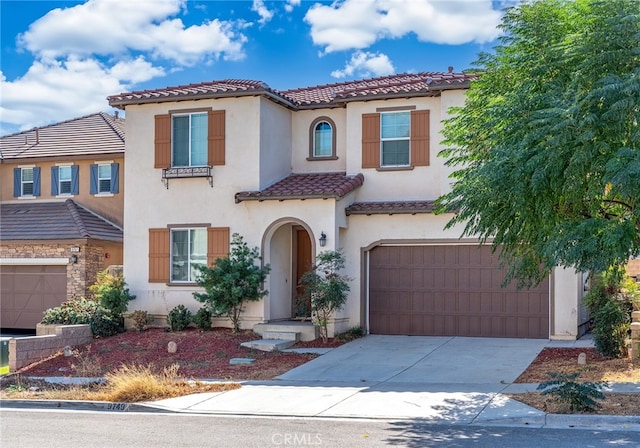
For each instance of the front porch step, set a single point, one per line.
(281, 335)
(268, 345)
(306, 330)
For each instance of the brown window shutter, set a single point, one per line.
(216, 137)
(163, 141)
(370, 140)
(158, 255)
(420, 137)
(217, 243)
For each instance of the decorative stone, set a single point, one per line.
(172, 347)
(241, 360)
(582, 359)
(67, 351)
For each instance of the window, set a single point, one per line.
(104, 178)
(188, 250)
(26, 182)
(64, 180)
(322, 139)
(189, 143)
(394, 136)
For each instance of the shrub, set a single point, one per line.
(179, 318)
(111, 291)
(351, 334)
(578, 396)
(608, 309)
(232, 281)
(325, 288)
(83, 311)
(141, 320)
(202, 319)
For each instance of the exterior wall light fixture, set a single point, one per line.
(323, 239)
(74, 258)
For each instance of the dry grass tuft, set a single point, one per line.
(129, 384)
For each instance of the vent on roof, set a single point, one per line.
(19, 212)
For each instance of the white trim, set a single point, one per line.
(26, 166)
(65, 164)
(104, 162)
(103, 195)
(34, 261)
(20, 198)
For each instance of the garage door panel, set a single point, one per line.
(27, 291)
(451, 290)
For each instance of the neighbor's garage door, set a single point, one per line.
(29, 290)
(450, 291)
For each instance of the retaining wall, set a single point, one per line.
(50, 339)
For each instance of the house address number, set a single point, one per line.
(118, 407)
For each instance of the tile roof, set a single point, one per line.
(393, 86)
(390, 208)
(29, 220)
(306, 186)
(94, 134)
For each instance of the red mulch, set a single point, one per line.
(199, 355)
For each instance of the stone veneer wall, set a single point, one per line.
(633, 267)
(50, 340)
(80, 275)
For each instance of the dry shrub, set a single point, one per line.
(137, 383)
(86, 365)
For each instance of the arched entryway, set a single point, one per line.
(288, 247)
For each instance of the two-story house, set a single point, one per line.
(61, 213)
(350, 166)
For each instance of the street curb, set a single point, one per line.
(79, 405)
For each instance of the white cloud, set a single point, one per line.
(86, 52)
(357, 24)
(264, 13)
(112, 27)
(364, 64)
(291, 4)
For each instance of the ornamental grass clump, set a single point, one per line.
(580, 397)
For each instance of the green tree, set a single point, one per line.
(232, 281)
(325, 288)
(546, 149)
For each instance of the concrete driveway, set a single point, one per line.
(394, 360)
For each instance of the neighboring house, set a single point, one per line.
(348, 166)
(61, 213)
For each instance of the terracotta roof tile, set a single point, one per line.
(54, 221)
(389, 208)
(306, 186)
(408, 84)
(94, 134)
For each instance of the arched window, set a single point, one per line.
(322, 139)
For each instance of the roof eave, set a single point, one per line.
(302, 197)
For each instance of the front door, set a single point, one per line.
(303, 262)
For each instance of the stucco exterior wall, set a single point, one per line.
(109, 206)
(302, 121)
(275, 143)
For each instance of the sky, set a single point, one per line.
(61, 59)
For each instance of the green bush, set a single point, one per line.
(83, 311)
(179, 318)
(202, 319)
(350, 334)
(566, 390)
(111, 291)
(609, 311)
(141, 320)
(232, 281)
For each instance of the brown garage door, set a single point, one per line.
(451, 291)
(29, 290)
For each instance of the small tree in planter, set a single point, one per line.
(232, 281)
(325, 288)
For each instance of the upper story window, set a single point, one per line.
(395, 138)
(104, 178)
(26, 182)
(322, 139)
(189, 140)
(395, 128)
(65, 180)
(188, 250)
